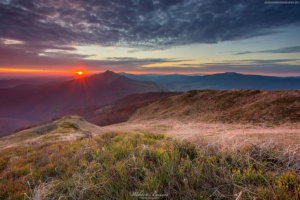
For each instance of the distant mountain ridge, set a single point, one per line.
(222, 81)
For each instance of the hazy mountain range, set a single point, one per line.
(222, 81)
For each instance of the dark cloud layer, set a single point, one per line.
(294, 49)
(141, 24)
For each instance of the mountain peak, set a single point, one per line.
(110, 76)
(109, 72)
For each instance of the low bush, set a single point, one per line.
(70, 125)
(45, 128)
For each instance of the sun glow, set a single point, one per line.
(79, 72)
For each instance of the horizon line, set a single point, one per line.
(27, 73)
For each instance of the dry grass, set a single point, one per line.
(120, 165)
(286, 134)
(230, 106)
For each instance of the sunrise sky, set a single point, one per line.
(60, 37)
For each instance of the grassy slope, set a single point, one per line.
(121, 165)
(65, 129)
(228, 106)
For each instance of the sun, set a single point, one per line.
(79, 72)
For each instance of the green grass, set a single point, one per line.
(123, 165)
(70, 125)
(19, 137)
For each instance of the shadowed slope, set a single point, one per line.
(120, 110)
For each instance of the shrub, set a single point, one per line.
(70, 125)
(45, 128)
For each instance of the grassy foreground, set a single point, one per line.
(135, 166)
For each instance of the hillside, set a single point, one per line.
(118, 111)
(71, 158)
(255, 106)
(64, 129)
(222, 81)
(37, 103)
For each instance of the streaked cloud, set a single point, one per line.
(294, 49)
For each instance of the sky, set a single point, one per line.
(60, 37)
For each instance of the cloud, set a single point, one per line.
(266, 67)
(271, 69)
(36, 54)
(293, 49)
(141, 24)
(270, 62)
(144, 61)
(37, 57)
